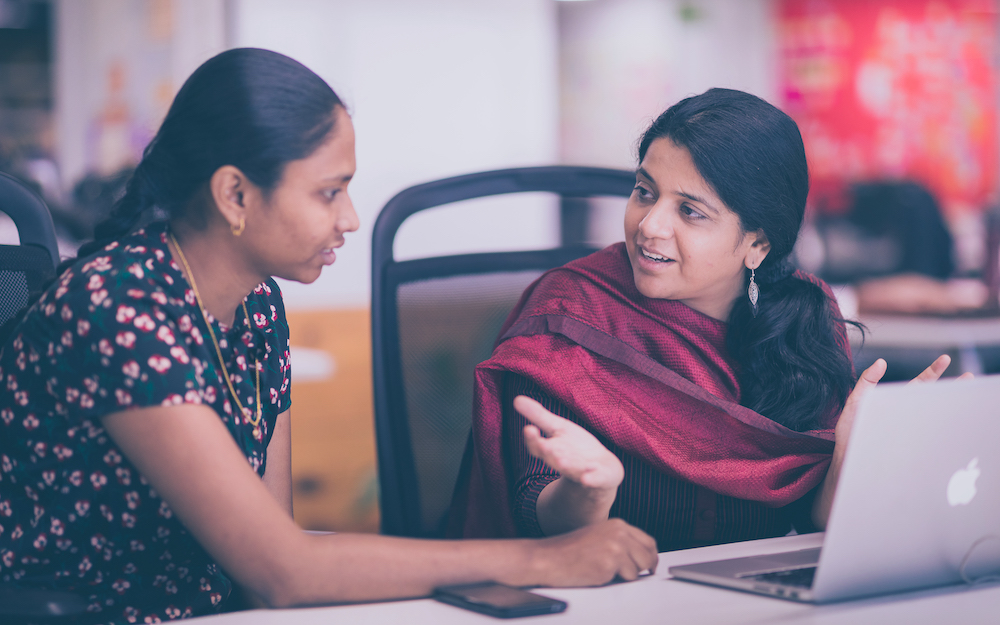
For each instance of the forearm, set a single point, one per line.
(565, 505)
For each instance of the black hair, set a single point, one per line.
(254, 109)
(793, 367)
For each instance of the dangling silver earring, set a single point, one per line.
(753, 293)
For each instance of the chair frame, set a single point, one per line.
(30, 215)
(399, 494)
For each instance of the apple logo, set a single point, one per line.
(962, 485)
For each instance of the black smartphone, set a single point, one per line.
(498, 600)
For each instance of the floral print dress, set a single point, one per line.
(121, 329)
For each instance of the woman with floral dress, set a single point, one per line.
(144, 397)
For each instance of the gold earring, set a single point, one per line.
(238, 230)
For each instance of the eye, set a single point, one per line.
(642, 192)
(330, 194)
(691, 212)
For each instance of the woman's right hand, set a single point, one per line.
(596, 554)
(589, 474)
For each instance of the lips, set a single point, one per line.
(652, 256)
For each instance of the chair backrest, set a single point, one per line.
(433, 320)
(26, 267)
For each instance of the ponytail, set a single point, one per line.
(793, 356)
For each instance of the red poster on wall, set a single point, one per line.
(894, 89)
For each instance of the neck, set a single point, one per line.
(215, 266)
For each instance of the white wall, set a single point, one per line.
(436, 88)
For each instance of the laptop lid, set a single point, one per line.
(918, 499)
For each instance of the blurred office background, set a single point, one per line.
(893, 92)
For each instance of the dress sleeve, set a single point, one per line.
(526, 475)
(267, 310)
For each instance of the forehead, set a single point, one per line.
(334, 158)
(671, 168)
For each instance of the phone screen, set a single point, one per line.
(499, 600)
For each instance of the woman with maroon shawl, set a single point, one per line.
(687, 380)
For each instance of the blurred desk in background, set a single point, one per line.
(911, 342)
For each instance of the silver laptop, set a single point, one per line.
(917, 505)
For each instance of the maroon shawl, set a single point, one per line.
(651, 375)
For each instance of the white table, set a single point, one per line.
(662, 600)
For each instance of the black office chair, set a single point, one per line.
(26, 267)
(434, 320)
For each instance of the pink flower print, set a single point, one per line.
(124, 314)
(165, 335)
(148, 264)
(107, 514)
(172, 400)
(130, 568)
(62, 290)
(5, 508)
(132, 499)
(82, 507)
(40, 542)
(49, 477)
(17, 533)
(192, 397)
(7, 415)
(123, 397)
(66, 313)
(184, 323)
(75, 478)
(104, 346)
(171, 587)
(57, 527)
(112, 457)
(136, 545)
(22, 361)
(40, 449)
(131, 369)
(136, 270)
(135, 293)
(210, 394)
(64, 543)
(274, 395)
(124, 476)
(21, 397)
(96, 281)
(6, 463)
(120, 586)
(144, 322)
(67, 338)
(98, 479)
(172, 612)
(30, 422)
(11, 382)
(165, 510)
(138, 249)
(159, 297)
(98, 296)
(179, 354)
(91, 384)
(189, 297)
(274, 313)
(72, 394)
(216, 598)
(203, 585)
(126, 339)
(260, 320)
(128, 520)
(82, 327)
(241, 363)
(84, 565)
(86, 401)
(101, 263)
(8, 558)
(49, 310)
(62, 452)
(159, 363)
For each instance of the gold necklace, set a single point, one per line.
(218, 350)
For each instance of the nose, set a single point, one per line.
(658, 222)
(347, 220)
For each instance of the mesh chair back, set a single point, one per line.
(26, 267)
(433, 321)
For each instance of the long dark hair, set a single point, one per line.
(254, 109)
(793, 365)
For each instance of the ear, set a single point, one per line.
(759, 248)
(233, 193)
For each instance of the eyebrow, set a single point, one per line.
(344, 178)
(690, 196)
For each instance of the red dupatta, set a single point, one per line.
(651, 375)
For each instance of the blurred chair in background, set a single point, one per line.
(434, 320)
(25, 268)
